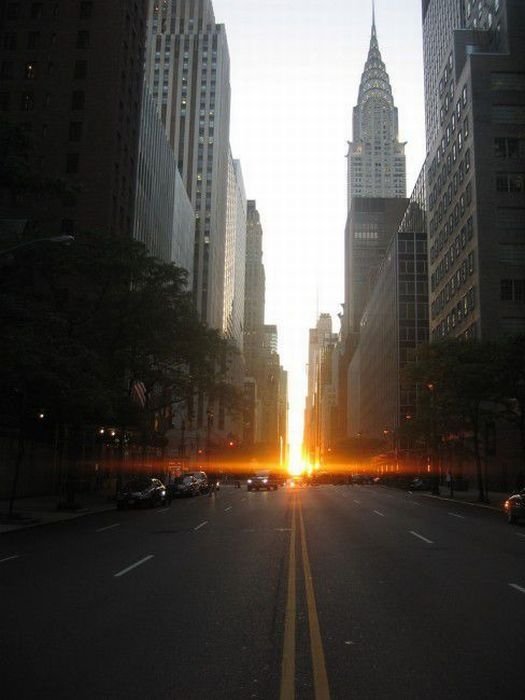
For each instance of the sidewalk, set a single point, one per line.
(42, 510)
(470, 497)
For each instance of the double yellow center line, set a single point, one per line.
(321, 688)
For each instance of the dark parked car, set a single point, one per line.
(143, 491)
(515, 506)
(263, 481)
(185, 485)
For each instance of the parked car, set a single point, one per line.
(184, 485)
(142, 491)
(515, 506)
(263, 481)
(202, 478)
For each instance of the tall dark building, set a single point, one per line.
(475, 95)
(188, 69)
(394, 323)
(71, 76)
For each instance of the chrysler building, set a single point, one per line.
(376, 158)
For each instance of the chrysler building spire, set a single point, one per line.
(376, 158)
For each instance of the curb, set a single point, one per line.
(487, 506)
(6, 528)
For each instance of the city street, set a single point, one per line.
(328, 591)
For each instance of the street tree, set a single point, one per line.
(458, 388)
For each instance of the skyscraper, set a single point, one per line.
(187, 68)
(235, 255)
(376, 204)
(254, 290)
(376, 158)
(376, 184)
(475, 93)
(71, 76)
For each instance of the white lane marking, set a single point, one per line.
(282, 529)
(14, 556)
(456, 515)
(227, 509)
(356, 501)
(520, 534)
(133, 566)
(108, 527)
(199, 526)
(416, 534)
(243, 499)
(518, 588)
(162, 510)
(379, 513)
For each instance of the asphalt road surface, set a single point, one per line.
(343, 592)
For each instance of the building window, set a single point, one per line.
(13, 10)
(83, 39)
(6, 71)
(78, 100)
(33, 40)
(510, 182)
(36, 10)
(86, 10)
(513, 290)
(72, 163)
(30, 71)
(75, 131)
(28, 102)
(80, 70)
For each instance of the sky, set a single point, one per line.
(295, 72)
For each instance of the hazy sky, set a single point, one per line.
(295, 72)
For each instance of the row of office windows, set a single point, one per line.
(40, 10)
(454, 284)
(457, 315)
(445, 201)
(451, 255)
(452, 223)
(513, 290)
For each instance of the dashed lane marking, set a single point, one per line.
(201, 525)
(416, 534)
(14, 556)
(378, 512)
(518, 588)
(227, 509)
(356, 501)
(133, 566)
(108, 527)
(457, 515)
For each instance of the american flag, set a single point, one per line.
(137, 393)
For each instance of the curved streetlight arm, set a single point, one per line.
(65, 239)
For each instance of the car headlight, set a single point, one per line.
(265, 481)
(249, 481)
